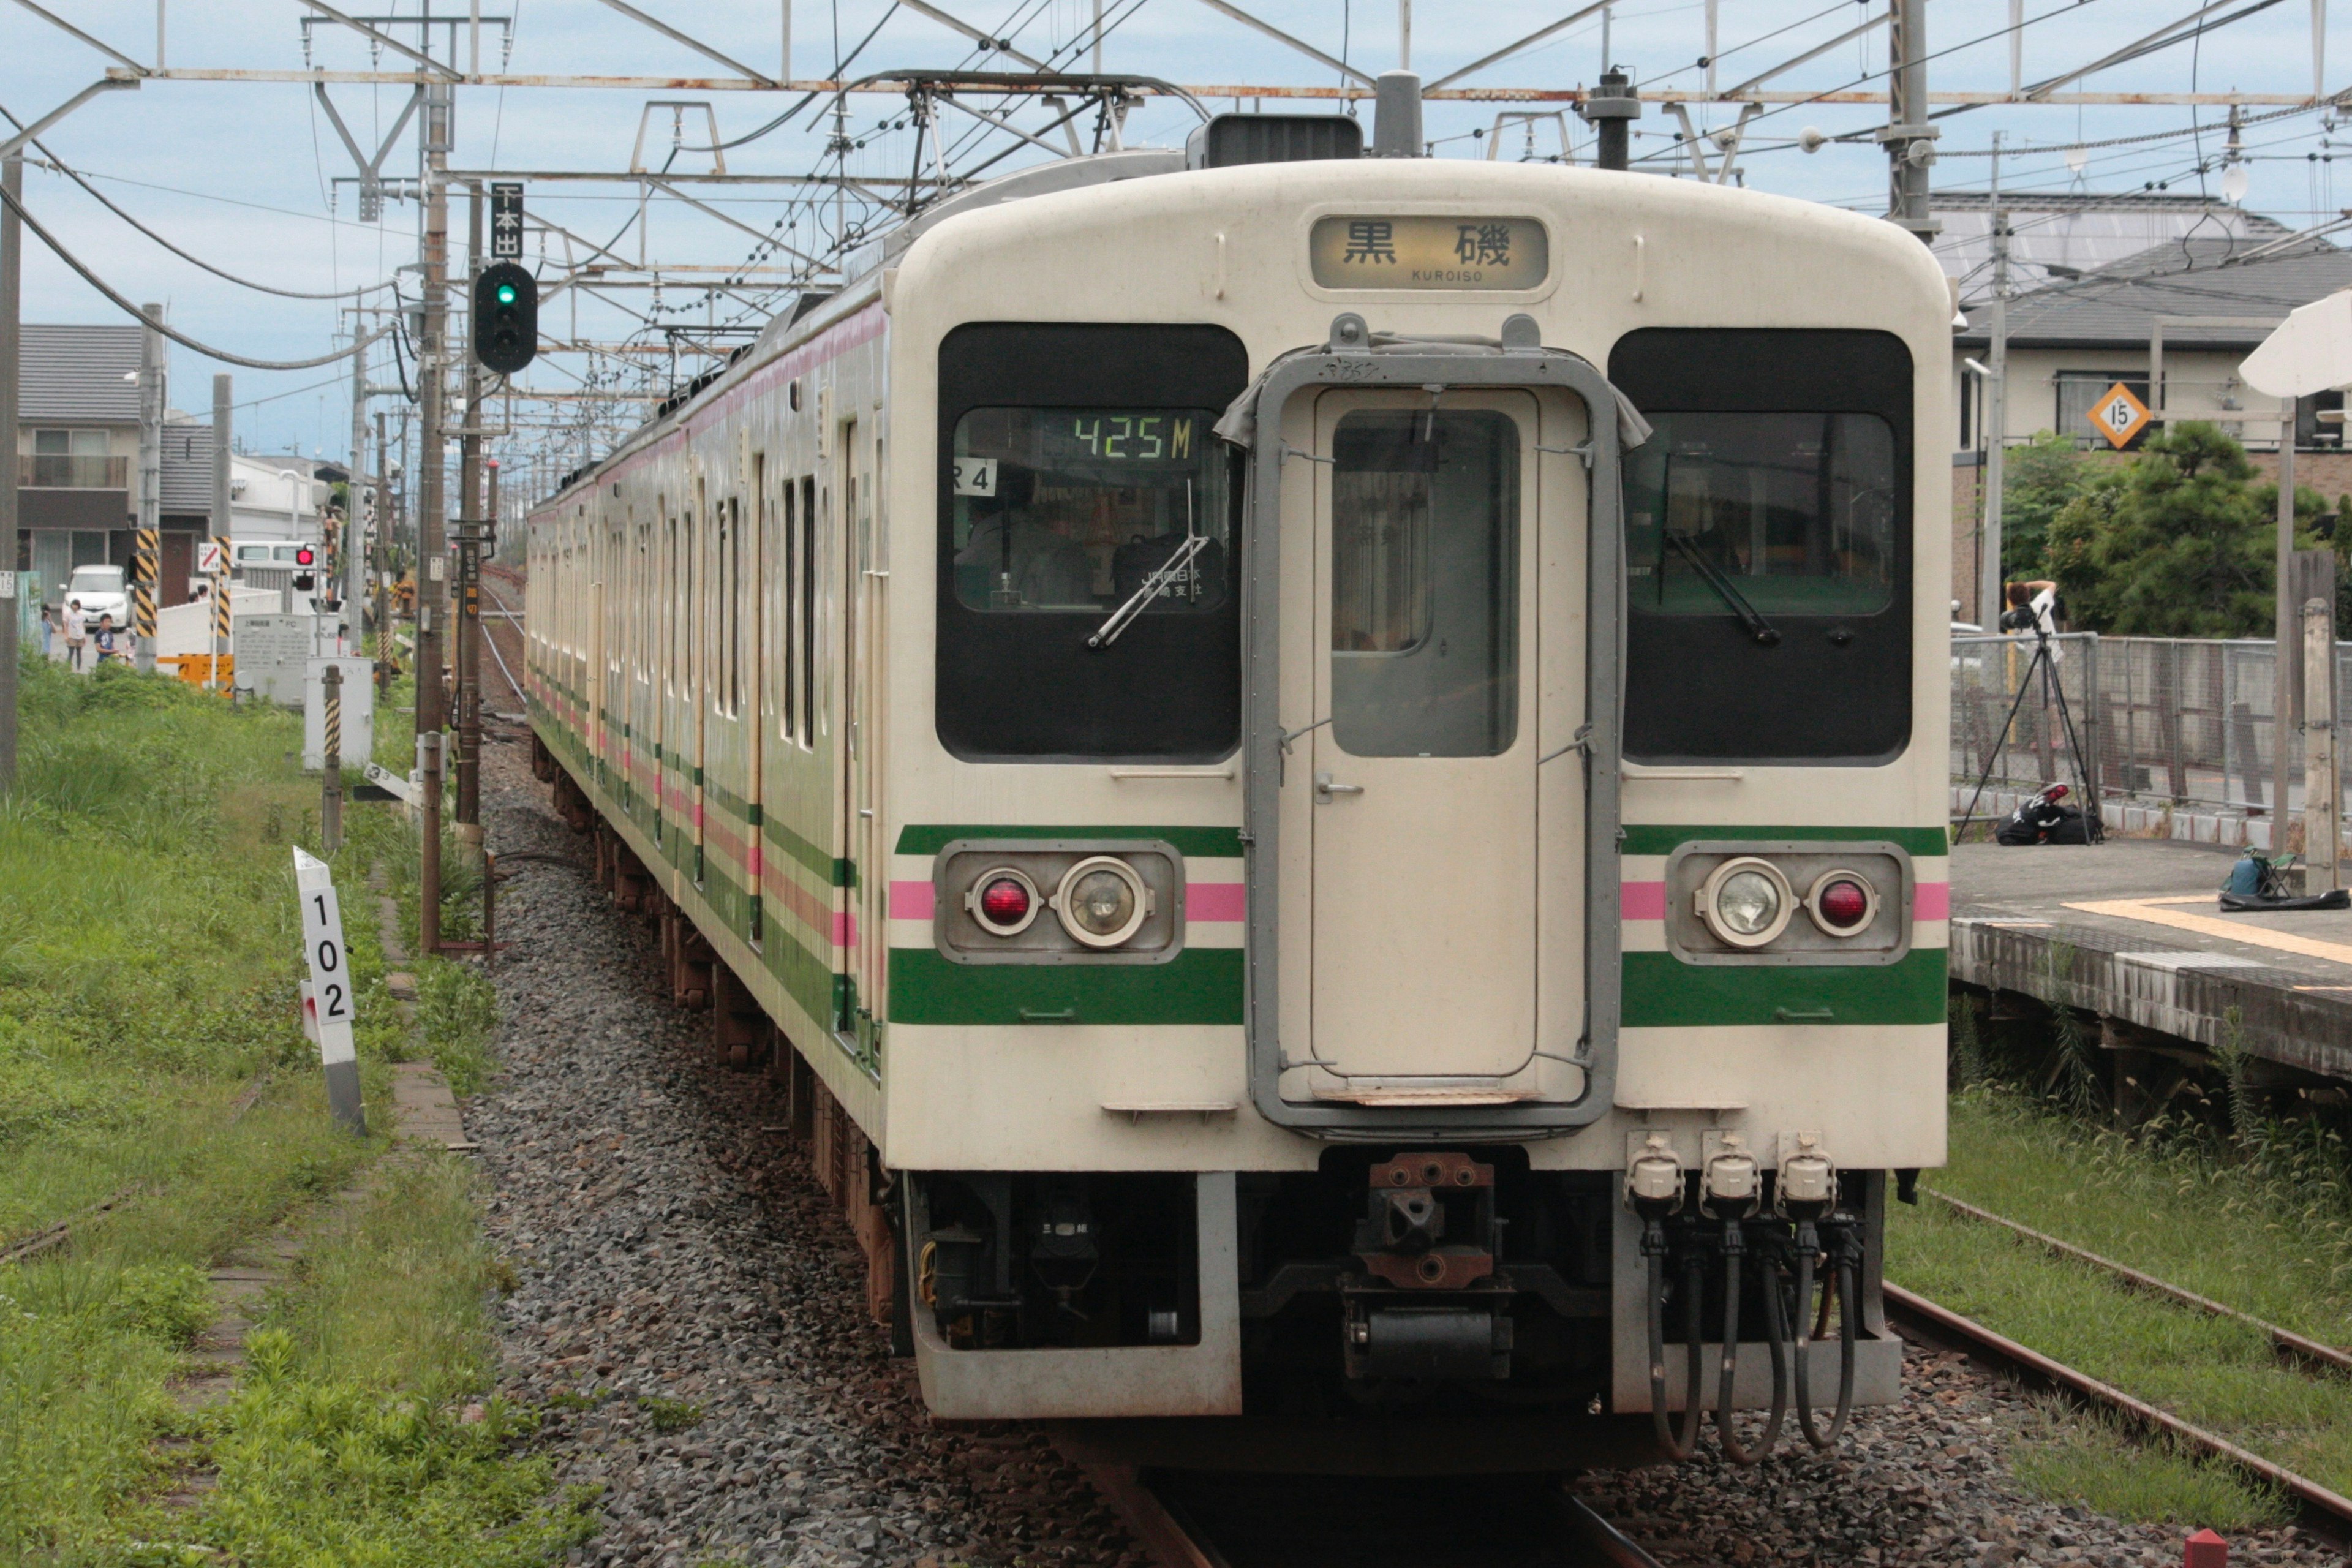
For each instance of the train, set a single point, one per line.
(1321, 778)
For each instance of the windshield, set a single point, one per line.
(1075, 509)
(1792, 513)
(98, 580)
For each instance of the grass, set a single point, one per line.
(2175, 1210)
(149, 1050)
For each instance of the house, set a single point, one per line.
(78, 462)
(2073, 339)
(77, 447)
(2057, 235)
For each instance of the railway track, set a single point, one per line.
(2326, 1512)
(1204, 1518)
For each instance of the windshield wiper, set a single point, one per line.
(1755, 625)
(1162, 578)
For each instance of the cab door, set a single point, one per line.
(1447, 857)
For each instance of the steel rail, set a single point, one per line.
(2329, 1510)
(514, 620)
(2286, 1342)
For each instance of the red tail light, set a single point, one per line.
(1004, 902)
(1843, 904)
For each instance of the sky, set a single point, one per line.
(243, 175)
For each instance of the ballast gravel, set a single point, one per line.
(690, 1321)
(1925, 1481)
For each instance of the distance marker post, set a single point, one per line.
(330, 987)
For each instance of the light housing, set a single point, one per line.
(1843, 903)
(995, 909)
(1102, 901)
(1746, 902)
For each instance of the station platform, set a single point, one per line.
(2133, 929)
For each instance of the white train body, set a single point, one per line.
(1429, 774)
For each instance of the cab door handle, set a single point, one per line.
(1325, 789)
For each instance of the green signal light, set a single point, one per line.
(507, 293)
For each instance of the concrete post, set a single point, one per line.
(2287, 654)
(11, 178)
(222, 395)
(432, 539)
(150, 487)
(2322, 790)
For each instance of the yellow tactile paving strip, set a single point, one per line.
(2155, 912)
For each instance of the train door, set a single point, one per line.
(1447, 926)
(860, 737)
(702, 631)
(872, 853)
(756, 726)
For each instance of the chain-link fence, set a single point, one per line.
(2160, 719)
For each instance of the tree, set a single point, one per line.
(2177, 544)
(2041, 477)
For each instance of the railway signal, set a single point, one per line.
(506, 318)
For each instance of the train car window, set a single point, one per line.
(1088, 604)
(808, 613)
(1424, 584)
(791, 577)
(1768, 554)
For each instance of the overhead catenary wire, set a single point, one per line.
(50, 160)
(101, 284)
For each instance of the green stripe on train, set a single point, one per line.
(1652, 838)
(1199, 985)
(1663, 992)
(1205, 843)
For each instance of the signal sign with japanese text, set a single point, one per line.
(506, 220)
(2119, 416)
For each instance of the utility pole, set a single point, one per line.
(382, 558)
(223, 393)
(354, 559)
(2287, 630)
(468, 595)
(150, 487)
(432, 545)
(1908, 136)
(12, 179)
(1996, 419)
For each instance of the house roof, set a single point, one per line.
(2058, 236)
(187, 477)
(2116, 306)
(75, 373)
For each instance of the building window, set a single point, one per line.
(72, 459)
(2080, 391)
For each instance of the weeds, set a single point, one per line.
(2084, 1457)
(668, 1415)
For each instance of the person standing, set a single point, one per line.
(77, 629)
(110, 643)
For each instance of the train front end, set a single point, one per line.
(1416, 776)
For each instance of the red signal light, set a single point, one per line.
(305, 556)
(1004, 902)
(1843, 904)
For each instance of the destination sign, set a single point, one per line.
(1422, 250)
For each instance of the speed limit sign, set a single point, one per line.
(2119, 416)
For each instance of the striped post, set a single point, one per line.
(142, 597)
(220, 614)
(330, 780)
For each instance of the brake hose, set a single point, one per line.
(1654, 1244)
(1847, 1286)
(1734, 1244)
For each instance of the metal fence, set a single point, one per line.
(2160, 720)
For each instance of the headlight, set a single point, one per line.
(1102, 900)
(1746, 902)
(1003, 902)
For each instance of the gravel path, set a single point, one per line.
(690, 1314)
(689, 1298)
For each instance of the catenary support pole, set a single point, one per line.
(2287, 630)
(432, 541)
(466, 621)
(150, 488)
(381, 556)
(12, 176)
(1992, 579)
(1908, 136)
(223, 396)
(354, 559)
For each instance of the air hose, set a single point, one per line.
(1682, 1446)
(1733, 1247)
(1847, 1285)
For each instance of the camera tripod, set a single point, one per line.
(2045, 664)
